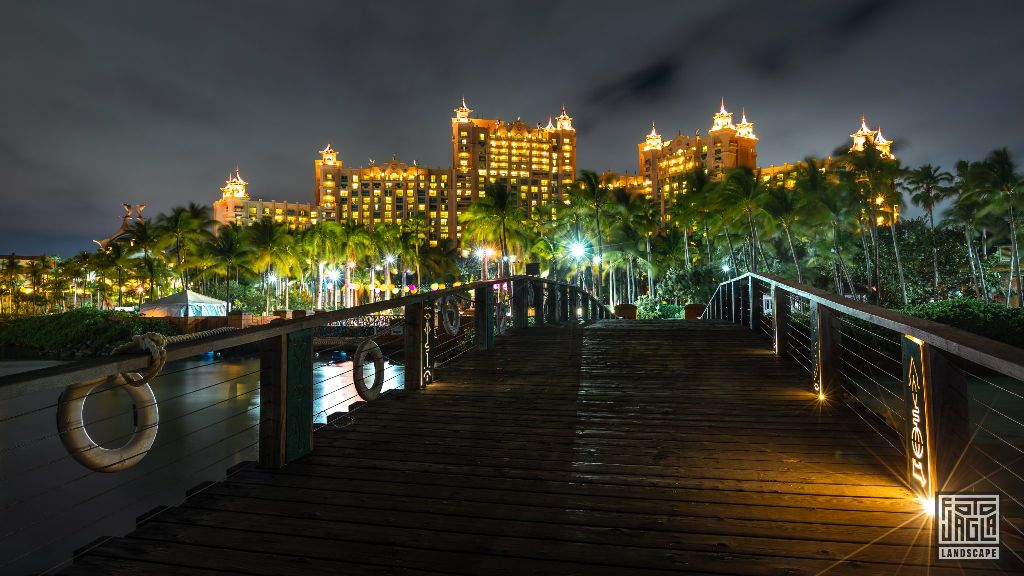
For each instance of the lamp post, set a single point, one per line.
(577, 250)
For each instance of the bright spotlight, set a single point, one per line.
(271, 277)
(725, 268)
(479, 252)
(821, 396)
(333, 275)
(927, 506)
(577, 250)
(389, 259)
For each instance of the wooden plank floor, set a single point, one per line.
(618, 448)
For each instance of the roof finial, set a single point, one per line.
(722, 109)
(864, 124)
(743, 115)
(464, 101)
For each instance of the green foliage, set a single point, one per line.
(646, 308)
(77, 333)
(987, 319)
(244, 297)
(687, 286)
(649, 308)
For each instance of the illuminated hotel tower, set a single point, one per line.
(660, 162)
(537, 163)
(390, 192)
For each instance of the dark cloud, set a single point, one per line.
(109, 101)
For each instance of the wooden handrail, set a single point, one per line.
(998, 356)
(57, 377)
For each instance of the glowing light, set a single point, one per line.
(351, 264)
(479, 252)
(821, 396)
(725, 268)
(271, 277)
(333, 275)
(927, 505)
(577, 250)
(596, 259)
(579, 311)
(389, 259)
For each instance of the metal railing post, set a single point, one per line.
(286, 398)
(780, 319)
(756, 304)
(484, 317)
(538, 303)
(936, 418)
(418, 335)
(519, 303)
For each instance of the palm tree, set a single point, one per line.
(594, 196)
(1000, 183)
(493, 217)
(229, 249)
(742, 192)
(145, 236)
(416, 230)
(700, 193)
(928, 185)
(786, 206)
(270, 243)
(353, 244)
(320, 242)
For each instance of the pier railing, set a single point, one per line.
(952, 402)
(88, 446)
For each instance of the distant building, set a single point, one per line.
(661, 162)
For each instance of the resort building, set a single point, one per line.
(537, 163)
(235, 206)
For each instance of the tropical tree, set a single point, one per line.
(786, 206)
(590, 192)
(743, 193)
(229, 249)
(1000, 185)
(928, 186)
(271, 245)
(493, 217)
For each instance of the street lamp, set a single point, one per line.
(389, 259)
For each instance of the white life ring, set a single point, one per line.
(450, 315)
(84, 449)
(368, 348)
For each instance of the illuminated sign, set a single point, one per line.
(427, 351)
(915, 399)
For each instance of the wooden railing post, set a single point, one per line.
(519, 303)
(780, 319)
(484, 317)
(573, 298)
(828, 338)
(538, 303)
(418, 334)
(286, 398)
(936, 419)
(563, 303)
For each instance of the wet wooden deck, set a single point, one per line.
(618, 448)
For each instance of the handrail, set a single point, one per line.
(998, 356)
(58, 377)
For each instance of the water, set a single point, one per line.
(209, 412)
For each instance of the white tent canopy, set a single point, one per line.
(187, 303)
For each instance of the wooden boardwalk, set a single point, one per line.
(618, 448)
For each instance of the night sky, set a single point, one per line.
(146, 102)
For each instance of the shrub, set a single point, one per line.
(77, 333)
(987, 319)
(649, 308)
